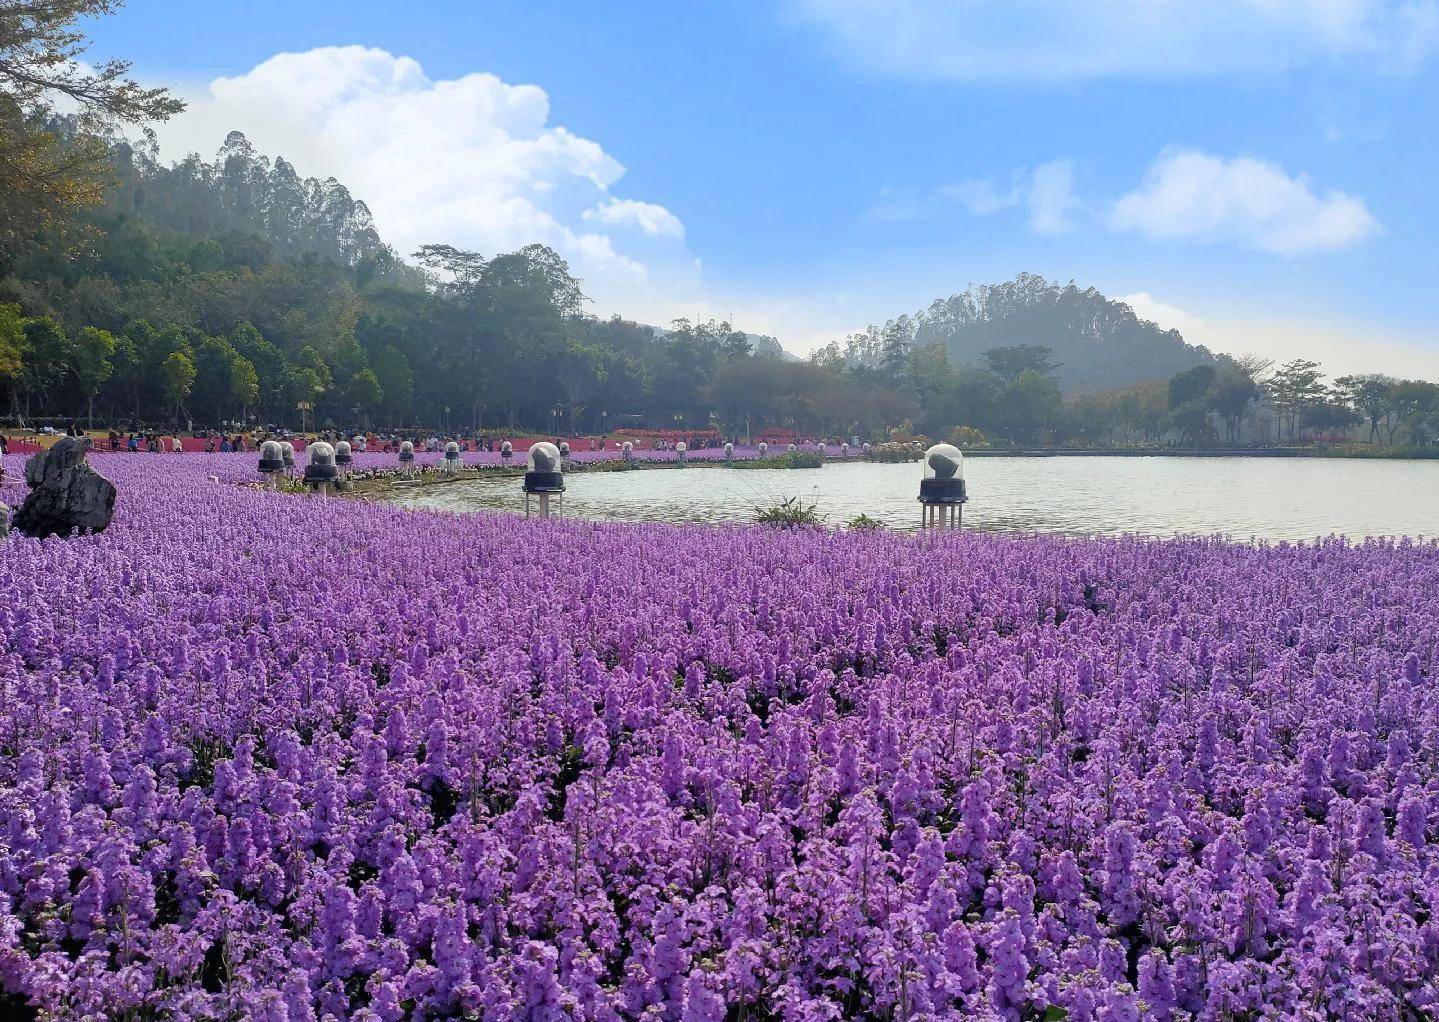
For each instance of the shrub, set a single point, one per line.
(788, 514)
(894, 453)
(799, 459)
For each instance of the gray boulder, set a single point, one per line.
(66, 494)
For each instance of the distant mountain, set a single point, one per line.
(1097, 342)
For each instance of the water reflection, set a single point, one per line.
(1244, 498)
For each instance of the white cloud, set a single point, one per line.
(1193, 196)
(1051, 197)
(653, 220)
(979, 196)
(1146, 306)
(471, 161)
(1067, 40)
(1047, 190)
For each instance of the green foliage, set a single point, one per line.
(864, 523)
(12, 346)
(179, 376)
(967, 438)
(244, 383)
(894, 453)
(789, 513)
(795, 459)
(92, 362)
(233, 287)
(363, 390)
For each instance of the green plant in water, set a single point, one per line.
(864, 523)
(790, 513)
(799, 459)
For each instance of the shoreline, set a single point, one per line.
(1212, 452)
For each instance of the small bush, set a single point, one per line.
(894, 453)
(799, 459)
(789, 513)
(967, 438)
(864, 523)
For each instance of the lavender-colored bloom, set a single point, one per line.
(262, 758)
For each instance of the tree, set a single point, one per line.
(214, 378)
(392, 370)
(304, 387)
(364, 392)
(179, 376)
(46, 172)
(1295, 384)
(94, 354)
(244, 385)
(1191, 385)
(1371, 395)
(1231, 396)
(268, 363)
(1030, 405)
(12, 347)
(1011, 362)
(47, 358)
(1416, 403)
(1142, 408)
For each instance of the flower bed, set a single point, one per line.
(269, 757)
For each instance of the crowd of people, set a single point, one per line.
(154, 441)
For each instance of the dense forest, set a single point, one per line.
(231, 290)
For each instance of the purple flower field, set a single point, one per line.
(270, 757)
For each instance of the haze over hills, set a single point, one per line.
(1097, 342)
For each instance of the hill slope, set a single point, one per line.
(1097, 342)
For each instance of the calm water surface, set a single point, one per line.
(1243, 498)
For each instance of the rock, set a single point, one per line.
(4, 519)
(66, 494)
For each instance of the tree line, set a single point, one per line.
(232, 290)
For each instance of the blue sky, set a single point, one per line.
(1259, 173)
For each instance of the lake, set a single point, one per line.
(1243, 498)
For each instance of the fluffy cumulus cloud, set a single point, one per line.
(651, 219)
(979, 40)
(1194, 196)
(471, 161)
